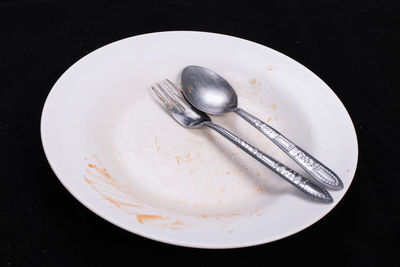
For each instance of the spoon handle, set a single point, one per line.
(315, 168)
(302, 183)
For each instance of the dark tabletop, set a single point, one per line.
(354, 46)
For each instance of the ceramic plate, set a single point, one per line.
(114, 148)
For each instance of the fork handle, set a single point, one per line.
(315, 168)
(302, 183)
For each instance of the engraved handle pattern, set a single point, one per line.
(316, 169)
(302, 183)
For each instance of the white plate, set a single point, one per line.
(125, 159)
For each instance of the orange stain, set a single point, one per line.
(118, 203)
(143, 218)
(256, 212)
(347, 170)
(91, 174)
(260, 189)
(253, 81)
(97, 177)
(269, 119)
(230, 231)
(220, 216)
(177, 225)
(159, 96)
(113, 201)
(186, 157)
(260, 213)
(101, 170)
(90, 182)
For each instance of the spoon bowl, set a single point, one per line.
(208, 91)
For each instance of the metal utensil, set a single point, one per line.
(175, 104)
(210, 93)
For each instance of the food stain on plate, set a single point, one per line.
(186, 157)
(119, 196)
(269, 119)
(109, 189)
(254, 82)
(225, 220)
(100, 179)
(142, 218)
(157, 219)
(177, 225)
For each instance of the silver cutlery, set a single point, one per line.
(212, 94)
(174, 103)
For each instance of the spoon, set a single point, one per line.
(210, 93)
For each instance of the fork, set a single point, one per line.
(172, 99)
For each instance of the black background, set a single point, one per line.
(352, 45)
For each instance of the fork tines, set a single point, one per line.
(169, 95)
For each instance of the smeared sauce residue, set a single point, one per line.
(142, 218)
(102, 171)
(102, 182)
(177, 225)
(100, 179)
